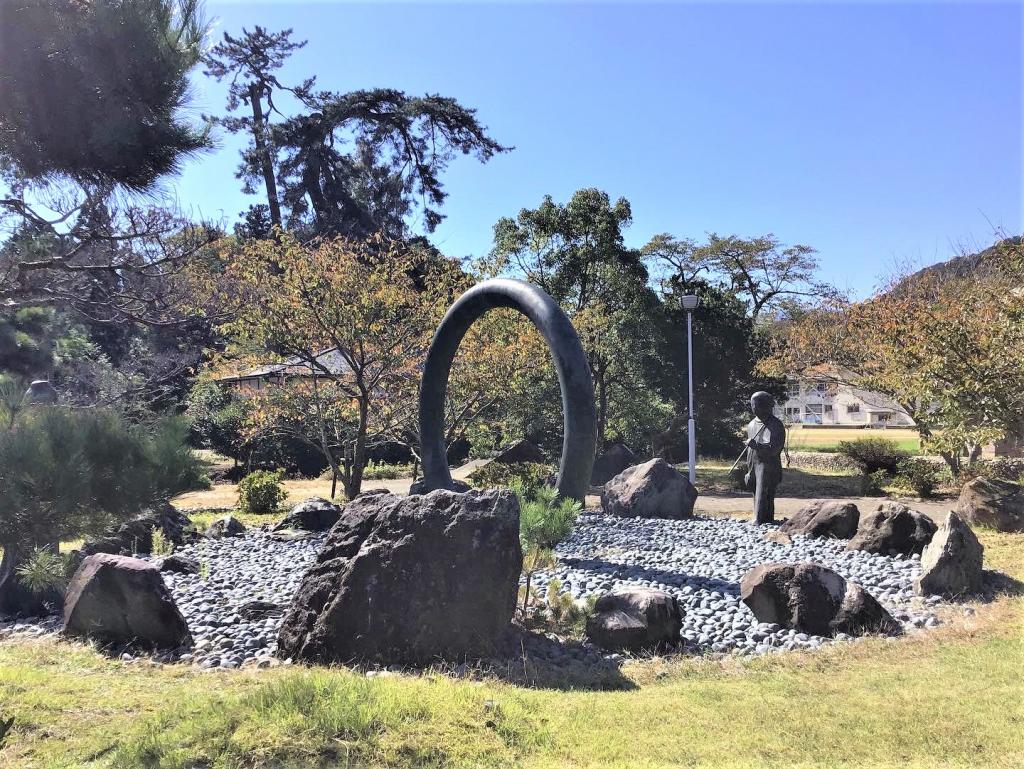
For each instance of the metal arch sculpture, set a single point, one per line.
(579, 438)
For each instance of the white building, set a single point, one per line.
(824, 401)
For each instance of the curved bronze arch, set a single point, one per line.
(579, 438)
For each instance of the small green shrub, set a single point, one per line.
(386, 471)
(873, 454)
(920, 475)
(261, 492)
(161, 545)
(872, 483)
(44, 571)
(567, 616)
(527, 476)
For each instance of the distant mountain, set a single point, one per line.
(962, 266)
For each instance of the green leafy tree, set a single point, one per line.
(727, 346)
(766, 274)
(575, 252)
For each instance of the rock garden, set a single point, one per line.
(416, 581)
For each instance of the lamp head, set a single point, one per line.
(690, 302)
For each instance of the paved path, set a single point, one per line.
(738, 504)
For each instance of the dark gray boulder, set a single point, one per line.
(993, 502)
(228, 526)
(893, 529)
(611, 462)
(828, 518)
(635, 619)
(812, 599)
(136, 535)
(951, 564)
(120, 600)
(409, 580)
(314, 514)
(654, 489)
(520, 452)
(178, 564)
(419, 487)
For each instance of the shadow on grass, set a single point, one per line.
(997, 584)
(796, 482)
(537, 661)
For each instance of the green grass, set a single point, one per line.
(828, 438)
(950, 697)
(713, 478)
(203, 520)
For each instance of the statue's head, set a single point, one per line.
(762, 404)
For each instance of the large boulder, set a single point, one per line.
(993, 502)
(813, 600)
(951, 563)
(227, 526)
(136, 535)
(610, 463)
(520, 452)
(314, 514)
(829, 518)
(121, 600)
(635, 619)
(893, 529)
(654, 489)
(409, 580)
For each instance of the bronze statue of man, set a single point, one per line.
(766, 437)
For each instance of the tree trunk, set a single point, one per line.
(359, 453)
(263, 150)
(334, 480)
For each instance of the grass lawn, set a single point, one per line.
(949, 697)
(827, 438)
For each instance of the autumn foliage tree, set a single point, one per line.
(351, 322)
(949, 348)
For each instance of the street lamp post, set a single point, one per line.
(690, 303)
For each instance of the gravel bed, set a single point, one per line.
(700, 561)
(235, 571)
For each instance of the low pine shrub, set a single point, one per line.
(261, 492)
(544, 521)
(44, 571)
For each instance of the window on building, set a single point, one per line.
(792, 413)
(814, 413)
(792, 390)
(852, 408)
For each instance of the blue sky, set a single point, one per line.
(878, 133)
